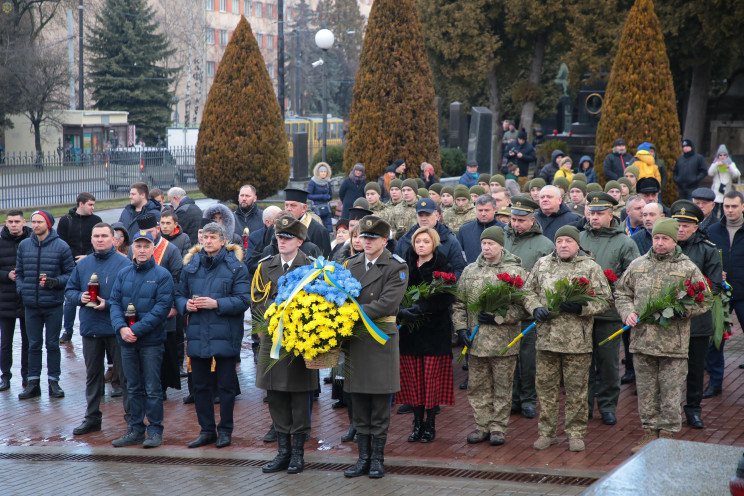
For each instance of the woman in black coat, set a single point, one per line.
(352, 188)
(425, 339)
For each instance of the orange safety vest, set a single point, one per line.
(160, 250)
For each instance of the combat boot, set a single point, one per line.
(362, 465)
(377, 461)
(31, 390)
(297, 460)
(429, 429)
(281, 461)
(648, 436)
(418, 424)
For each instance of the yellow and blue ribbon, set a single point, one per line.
(519, 336)
(321, 267)
(614, 335)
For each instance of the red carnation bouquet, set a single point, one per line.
(611, 277)
(671, 302)
(577, 290)
(496, 297)
(441, 282)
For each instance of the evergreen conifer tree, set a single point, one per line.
(241, 137)
(127, 67)
(393, 114)
(639, 103)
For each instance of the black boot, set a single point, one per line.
(31, 390)
(377, 460)
(362, 465)
(351, 433)
(281, 462)
(429, 431)
(297, 460)
(349, 436)
(418, 424)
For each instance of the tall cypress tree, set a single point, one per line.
(393, 114)
(127, 66)
(241, 137)
(639, 103)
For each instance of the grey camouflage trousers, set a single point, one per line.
(660, 381)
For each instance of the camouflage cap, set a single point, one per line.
(287, 226)
(599, 200)
(686, 211)
(668, 227)
(373, 227)
(523, 205)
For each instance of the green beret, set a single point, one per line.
(612, 185)
(423, 192)
(634, 170)
(599, 200)
(669, 227)
(447, 189)
(410, 183)
(478, 190)
(686, 211)
(494, 233)
(371, 226)
(373, 186)
(579, 176)
(484, 178)
(561, 182)
(498, 178)
(396, 183)
(461, 191)
(437, 188)
(625, 181)
(538, 182)
(579, 185)
(593, 187)
(569, 231)
(287, 226)
(420, 183)
(361, 202)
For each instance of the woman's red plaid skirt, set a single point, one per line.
(425, 380)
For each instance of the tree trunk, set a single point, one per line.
(36, 123)
(697, 103)
(533, 79)
(494, 104)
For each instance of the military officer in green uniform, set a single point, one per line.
(564, 342)
(288, 383)
(524, 238)
(462, 212)
(605, 238)
(373, 369)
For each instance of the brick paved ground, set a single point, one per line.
(49, 422)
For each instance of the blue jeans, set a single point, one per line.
(141, 367)
(39, 320)
(70, 310)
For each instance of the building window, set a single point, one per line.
(208, 4)
(223, 37)
(210, 69)
(223, 5)
(236, 7)
(269, 41)
(210, 36)
(270, 68)
(258, 9)
(247, 8)
(270, 11)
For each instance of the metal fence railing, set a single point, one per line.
(34, 180)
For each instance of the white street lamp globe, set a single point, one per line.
(324, 39)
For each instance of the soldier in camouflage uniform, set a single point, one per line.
(659, 355)
(396, 195)
(614, 189)
(402, 217)
(372, 193)
(577, 193)
(462, 212)
(448, 198)
(564, 343)
(489, 373)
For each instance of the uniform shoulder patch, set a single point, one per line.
(265, 258)
(709, 242)
(399, 259)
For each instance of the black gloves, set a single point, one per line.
(541, 314)
(51, 282)
(571, 307)
(409, 314)
(486, 318)
(465, 337)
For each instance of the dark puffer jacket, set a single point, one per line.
(469, 237)
(189, 215)
(75, 230)
(129, 216)
(224, 277)
(431, 335)
(449, 248)
(52, 257)
(689, 169)
(10, 302)
(252, 218)
(551, 223)
(149, 287)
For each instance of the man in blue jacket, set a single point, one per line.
(95, 321)
(140, 301)
(139, 205)
(213, 294)
(469, 178)
(43, 266)
(469, 234)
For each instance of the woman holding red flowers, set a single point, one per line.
(425, 343)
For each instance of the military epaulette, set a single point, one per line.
(399, 259)
(709, 242)
(265, 258)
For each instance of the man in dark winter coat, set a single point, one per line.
(95, 321)
(650, 214)
(219, 277)
(689, 169)
(469, 178)
(248, 214)
(148, 289)
(615, 162)
(703, 253)
(43, 266)
(547, 173)
(705, 200)
(295, 201)
(553, 213)
(170, 229)
(449, 248)
(188, 212)
(469, 234)
(75, 229)
(11, 306)
(522, 154)
(139, 205)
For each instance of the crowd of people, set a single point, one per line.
(162, 294)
